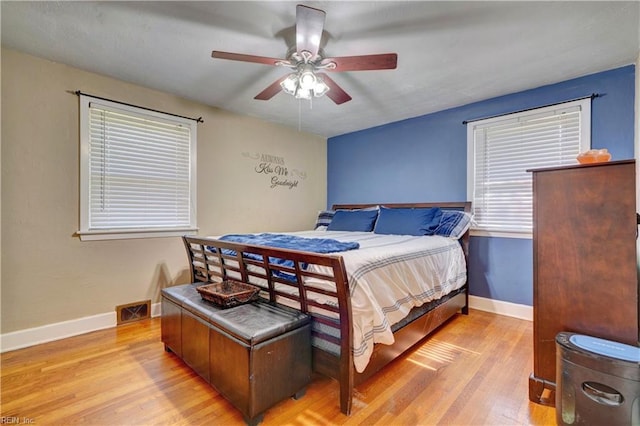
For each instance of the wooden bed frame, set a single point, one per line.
(230, 261)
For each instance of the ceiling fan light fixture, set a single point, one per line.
(304, 84)
(303, 93)
(290, 84)
(307, 79)
(320, 88)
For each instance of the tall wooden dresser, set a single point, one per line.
(585, 273)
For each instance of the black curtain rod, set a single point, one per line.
(197, 120)
(593, 95)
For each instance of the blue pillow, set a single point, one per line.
(324, 218)
(453, 224)
(353, 220)
(407, 221)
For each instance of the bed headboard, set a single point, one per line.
(449, 205)
(464, 206)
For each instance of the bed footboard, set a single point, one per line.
(281, 275)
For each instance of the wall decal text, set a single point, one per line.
(275, 168)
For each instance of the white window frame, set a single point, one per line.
(87, 231)
(584, 107)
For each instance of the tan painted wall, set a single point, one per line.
(48, 274)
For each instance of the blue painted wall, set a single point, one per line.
(425, 159)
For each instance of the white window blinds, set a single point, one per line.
(502, 149)
(137, 171)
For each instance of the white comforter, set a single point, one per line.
(389, 275)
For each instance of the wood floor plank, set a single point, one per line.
(473, 371)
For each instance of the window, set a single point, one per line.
(500, 150)
(137, 172)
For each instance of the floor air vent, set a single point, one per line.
(133, 311)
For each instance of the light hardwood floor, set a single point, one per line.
(473, 371)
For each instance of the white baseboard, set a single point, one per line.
(155, 310)
(499, 307)
(50, 332)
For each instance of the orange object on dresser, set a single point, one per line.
(594, 156)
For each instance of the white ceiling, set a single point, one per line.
(450, 53)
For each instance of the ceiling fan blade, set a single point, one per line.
(273, 89)
(245, 58)
(383, 61)
(309, 26)
(335, 93)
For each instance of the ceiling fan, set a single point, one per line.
(307, 60)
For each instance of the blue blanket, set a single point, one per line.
(292, 242)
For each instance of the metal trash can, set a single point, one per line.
(597, 381)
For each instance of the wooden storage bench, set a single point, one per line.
(255, 355)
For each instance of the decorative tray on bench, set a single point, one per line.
(229, 293)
